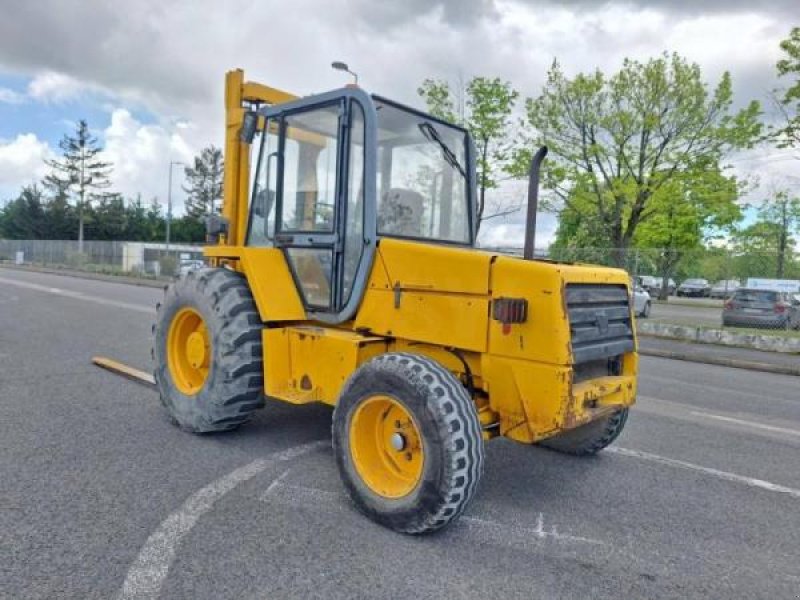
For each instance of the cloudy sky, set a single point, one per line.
(148, 74)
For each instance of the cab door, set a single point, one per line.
(320, 188)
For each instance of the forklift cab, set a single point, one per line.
(338, 171)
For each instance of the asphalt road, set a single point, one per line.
(101, 497)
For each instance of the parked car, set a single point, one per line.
(641, 302)
(762, 308)
(697, 288)
(653, 284)
(724, 288)
(189, 265)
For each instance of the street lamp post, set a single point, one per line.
(340, 66)
(169, 199)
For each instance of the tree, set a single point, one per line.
(156, 225)
(204, 183)
(109, 218)
(788, 100)
(687, 211)
(23, 217)
(80, 171)
(619, 144)
(136, 227)
(489, 106)
(61, 220)
(771, 234)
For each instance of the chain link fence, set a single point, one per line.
(134, 259)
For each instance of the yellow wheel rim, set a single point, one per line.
(188, 351)
(386, 447)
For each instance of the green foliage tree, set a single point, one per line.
(188, 230)
(109, 218)
(24, 218)
(488, 117)
(622, 146)
(156, 224)
(61, 219)
(772, 234)
(204, 183)
(80, 171)
(687, 211)
(136, 226)
(787, 135)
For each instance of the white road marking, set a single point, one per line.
(277, 480)
(499, 533)
(725, 475)
(680, 410)
(78, 296)
(747, 423)
(150, 569)
(538, 532)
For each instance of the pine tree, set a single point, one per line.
(80, 171)
(204, 181)
(23, 218)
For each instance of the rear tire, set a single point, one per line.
(416, 474)
(589, 439)
(218, 388)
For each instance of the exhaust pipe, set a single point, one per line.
(533, 202)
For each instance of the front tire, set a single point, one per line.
(646, 310)
(208, 352)
(591, 438)
(408, 443)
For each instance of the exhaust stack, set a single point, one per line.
(533, 202)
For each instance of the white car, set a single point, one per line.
(641, 302)
(189, 265)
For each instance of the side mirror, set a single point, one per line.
(249, 127)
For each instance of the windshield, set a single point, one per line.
(756, 296)
(423, 187)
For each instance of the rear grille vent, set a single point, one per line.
(600, 321)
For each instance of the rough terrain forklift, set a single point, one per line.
(344, 271)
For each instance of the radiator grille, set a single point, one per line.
(600, 321)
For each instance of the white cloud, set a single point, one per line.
(171, 57)
(141, 156)
(8, 96)
(22, 161)
(50, 86)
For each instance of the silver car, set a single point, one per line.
(762, 308)
(724, 288)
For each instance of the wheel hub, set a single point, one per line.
(188, 351)
(398, 442)
(196, 349)
(386, 446)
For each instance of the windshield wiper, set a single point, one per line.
(430, 133)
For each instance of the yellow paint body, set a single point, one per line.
(430, 299)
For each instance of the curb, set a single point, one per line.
(720, 337)
(141, 282)
(724, 362)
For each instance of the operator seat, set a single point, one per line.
(400, 213)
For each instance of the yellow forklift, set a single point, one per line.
(343, 270)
